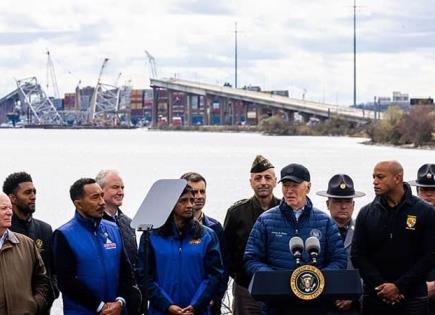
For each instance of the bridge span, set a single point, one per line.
(252, 102)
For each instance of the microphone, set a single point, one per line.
(296, 245)
(312, 246)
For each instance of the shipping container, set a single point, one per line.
(197, 120)
(69, 101)
(252, 115)
(215, 120)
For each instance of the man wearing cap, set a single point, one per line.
(394, 245)
(267, 248)
(425, 184)
(239, 221)
(340, 204)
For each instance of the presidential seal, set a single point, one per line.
(307, 282)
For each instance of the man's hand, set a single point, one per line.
(176, 310)
(188, 310)
(112, 308)
(343, 305)
(389, 293)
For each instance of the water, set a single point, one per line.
(56, 158)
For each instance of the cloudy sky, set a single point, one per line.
(296, 45)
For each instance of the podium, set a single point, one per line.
(274, 289)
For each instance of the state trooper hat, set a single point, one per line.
(425, 176)
(340, 186)
(295, 172)
(260, 164)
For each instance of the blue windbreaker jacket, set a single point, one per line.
(183, 271)
(268, 244)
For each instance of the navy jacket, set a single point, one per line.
(268, 244)
(218, 229)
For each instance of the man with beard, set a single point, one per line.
(185, 267)
(92, 268)
(22, 193)
(238, 223)
(394, 245)
(199, 185)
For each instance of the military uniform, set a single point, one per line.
(238, 224)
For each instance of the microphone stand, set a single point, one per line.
(145, 229)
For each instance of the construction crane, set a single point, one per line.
(94, 95)
(152, 65)
(117, 79)
(51, 76)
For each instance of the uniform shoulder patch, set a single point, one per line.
(239, 203)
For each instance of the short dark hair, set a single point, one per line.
(187, 190)
(77, 189)
(13, 180)
(193, 177)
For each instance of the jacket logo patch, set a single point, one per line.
(109, 244)
(279, 233)
(411, 220)
(195, 242)
(316, 233)
(39, 244)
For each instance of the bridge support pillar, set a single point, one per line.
(170, 101)
(206, 114)
(154, 107)
(290, 115)
(188, 111)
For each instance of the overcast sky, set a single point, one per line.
(293, 45)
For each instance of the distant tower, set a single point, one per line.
(235, 56)
(354, 53)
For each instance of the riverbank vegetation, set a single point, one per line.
(414, 128)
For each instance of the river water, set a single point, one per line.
(56, 158)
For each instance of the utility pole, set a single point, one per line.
(354, 53)
(235, 56)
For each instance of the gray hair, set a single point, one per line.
(102, 175)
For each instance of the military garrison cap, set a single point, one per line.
(260, 164)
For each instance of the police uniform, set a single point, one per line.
(341, 186)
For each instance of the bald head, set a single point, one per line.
(388, 178)
(392, 166)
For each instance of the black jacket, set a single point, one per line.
(128, 235)
(238, 224)
(395, 244)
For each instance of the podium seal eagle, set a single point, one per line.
(307, 282)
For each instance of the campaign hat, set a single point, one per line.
(340, 186)
(425, 176)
